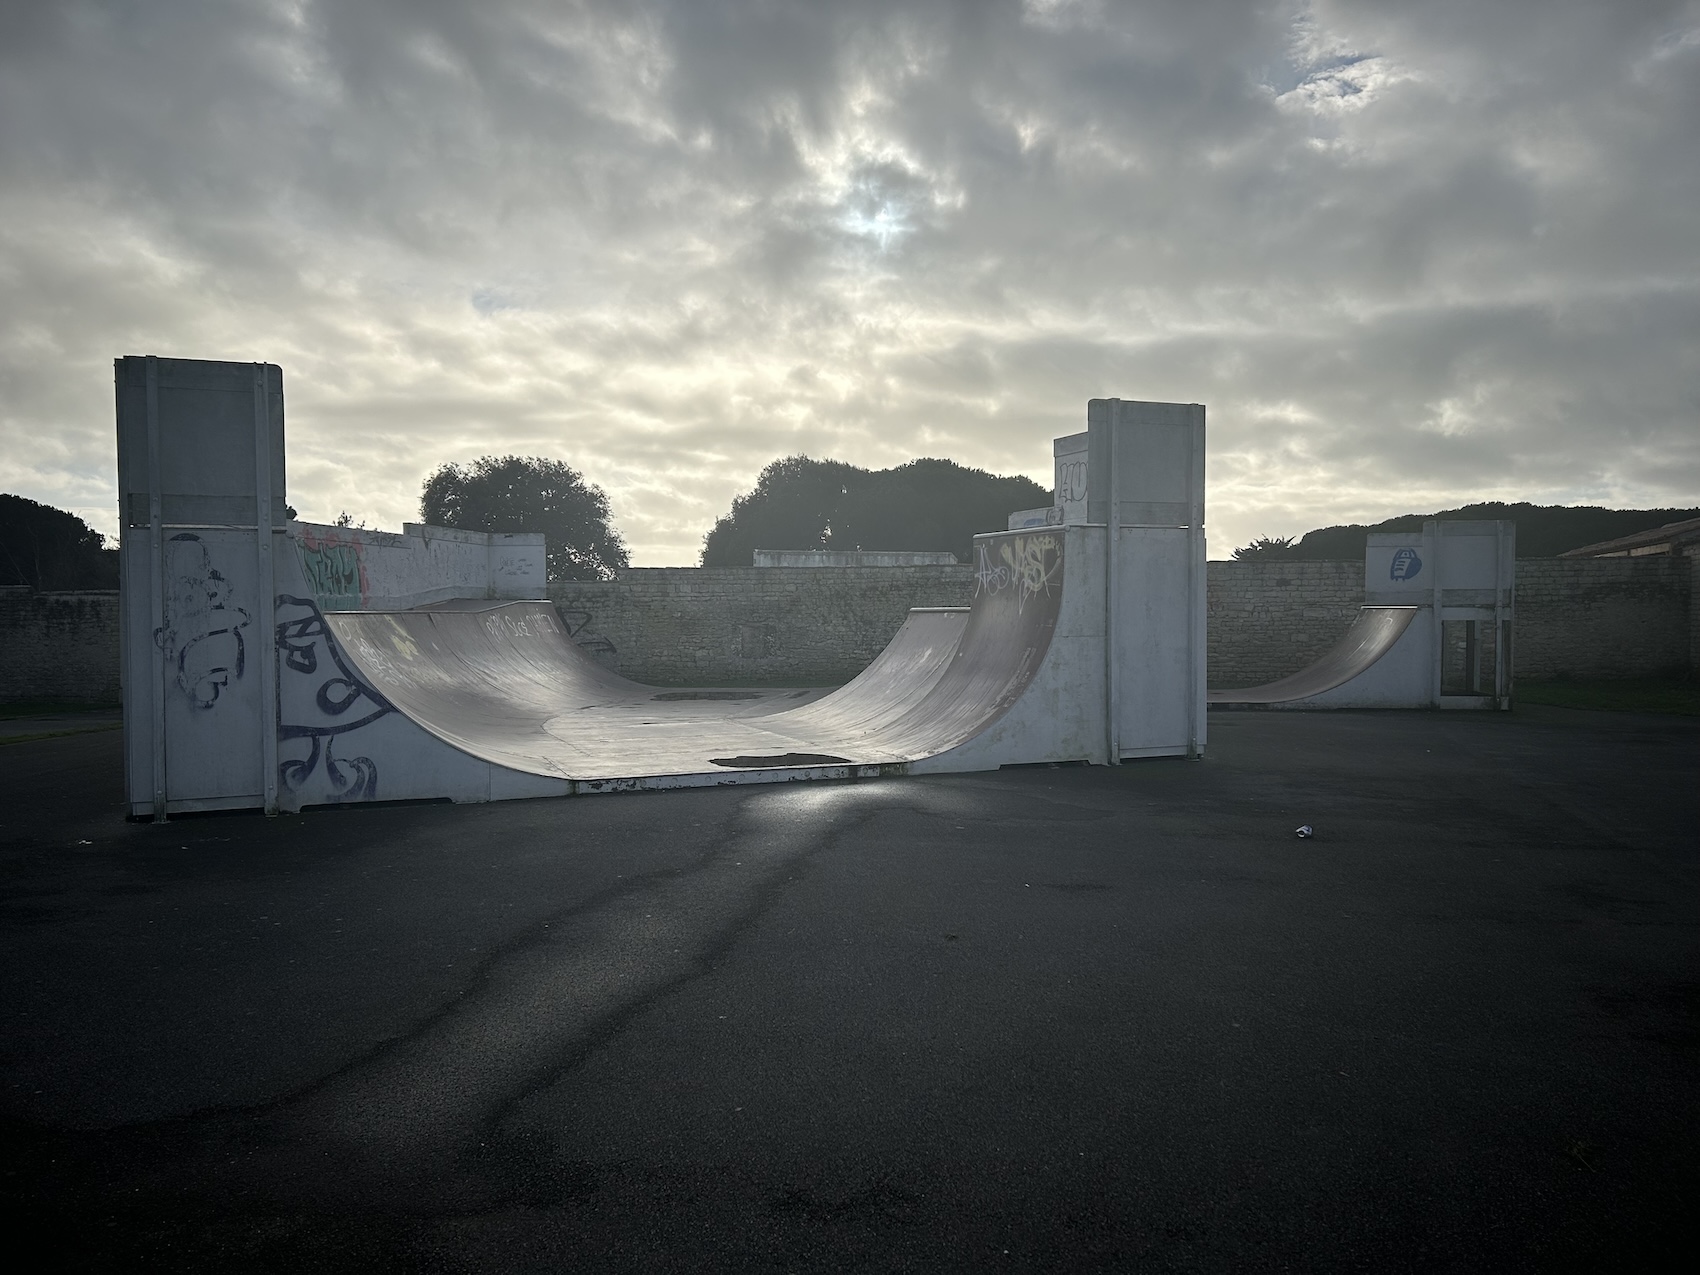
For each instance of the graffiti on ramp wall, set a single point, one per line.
(335, 569)
(201, 637)
(1030, 564)
(321, 702)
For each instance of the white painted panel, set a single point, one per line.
(1069, 490)
(1399, 568)
(1469, 561)
(1403, 678)
(211, 647)
(519, 566)
(1060, 717)
(355, 569)
(139, 657)
(1155, 691)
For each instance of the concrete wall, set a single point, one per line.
(677, 626)
(354, 569)
(1604, 617)
(1583, 618)
(1600, 617)
(1269, 619)
(58, 646)
(792, 558)
(681, 626)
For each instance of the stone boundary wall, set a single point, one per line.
(679, 626)
(1268, 619)
(1585, 618)
(58, 646)
(1604, 617)
(689, 626)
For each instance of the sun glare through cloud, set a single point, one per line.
(1408, 256)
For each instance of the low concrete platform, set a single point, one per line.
(1051, 1018)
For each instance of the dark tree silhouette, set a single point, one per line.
(529, 493)
(47, 548)
(1543, 531)
(931, 505)
(1266, 548)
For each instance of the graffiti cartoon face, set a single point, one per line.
(202, 634)
(1405, 566)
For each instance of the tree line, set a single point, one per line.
(47, 548)
(797, 503)
(1543, 531)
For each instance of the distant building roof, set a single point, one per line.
(853, 558)
(1673, 539)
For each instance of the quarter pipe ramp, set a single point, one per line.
(1375, 632)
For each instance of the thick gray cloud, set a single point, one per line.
(1409, 255)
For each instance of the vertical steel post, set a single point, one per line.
(1195, 582)
(1504, 578)
(156, 600)
(1435, 541)
(1112, 590)
(265, 589)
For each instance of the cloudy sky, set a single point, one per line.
(1408, 254)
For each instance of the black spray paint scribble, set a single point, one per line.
(202, 633)
(597, 647)
(307, 650)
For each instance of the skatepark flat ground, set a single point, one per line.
(1073, 1018)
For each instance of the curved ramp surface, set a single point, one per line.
(507, 685)
(1373, 634)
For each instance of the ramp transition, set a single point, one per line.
(1373, 634)
(507, 685)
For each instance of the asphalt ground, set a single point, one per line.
(1053, 1018)
(44, 725)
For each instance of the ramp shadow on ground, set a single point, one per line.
(1041, 1018)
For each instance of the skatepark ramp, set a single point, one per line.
(277, 664)
(1375, 632)
(1435, 633)
(477, 700)
(508, 686)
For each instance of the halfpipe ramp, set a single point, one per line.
(506, 684)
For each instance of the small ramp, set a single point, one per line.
(1376, 631)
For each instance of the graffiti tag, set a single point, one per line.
(594, 644)
(1030, 564)
(202, 633)
(532, 624)
(334, 570)
(989, 576)
(1071, 481)
(1405, 565)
